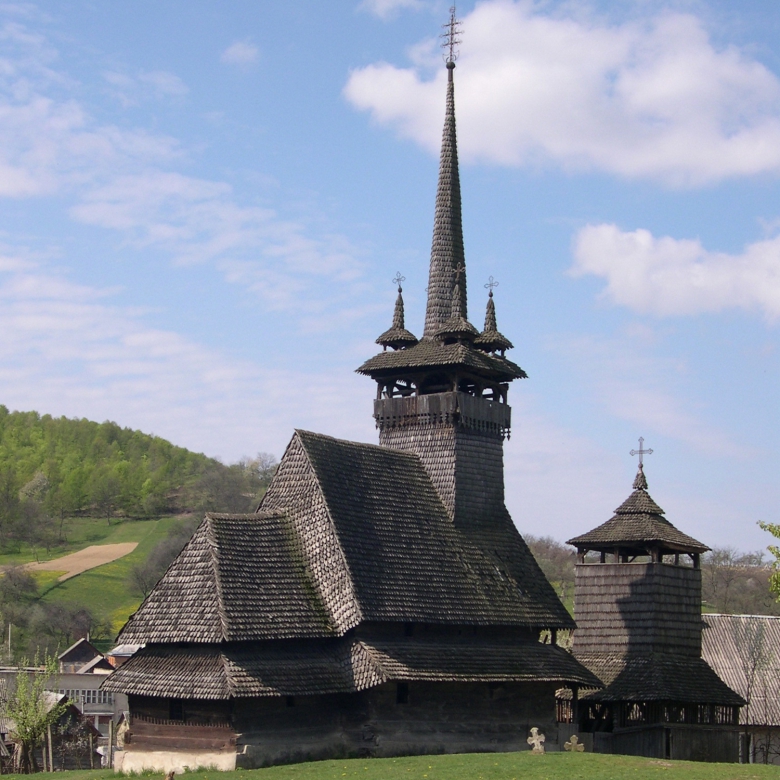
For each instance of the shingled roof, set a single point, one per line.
(239, 577)
(346, 665)
(404, 558)
(638, 522)
(429, 354)
(658, 677)
(745, 651)
(347, 532)
(397, 336)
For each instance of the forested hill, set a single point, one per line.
(58, 467)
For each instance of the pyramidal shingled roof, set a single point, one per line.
(638, 521)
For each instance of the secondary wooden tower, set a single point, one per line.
(637, 604)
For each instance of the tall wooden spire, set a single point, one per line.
(447, 253)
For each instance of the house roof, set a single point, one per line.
(638, 521)
(347, 532)
(657, 677)
(97, 665)
(745, 652)
(342, 665)
(80, 651)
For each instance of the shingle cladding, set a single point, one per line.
(478, 661)
(657, 677)
(240, 577)
(431, 354)
(346, 665)
(745, 652)
(638, 520)
(347, 532)
(408, 561)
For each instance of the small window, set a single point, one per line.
(290, 701)
(176, 709)
(408, 629)
(402, 693)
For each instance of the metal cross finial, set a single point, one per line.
(397, 279)
(459, 271)
(451, 39)
(641, 451)
(490, 285)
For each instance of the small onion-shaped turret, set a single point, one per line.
(490, 340)
(397, 337)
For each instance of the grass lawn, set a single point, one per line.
(105, 589)
(484, 766)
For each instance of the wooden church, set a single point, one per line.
(380, 602)
(637, 603)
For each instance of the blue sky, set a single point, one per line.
(202, 206)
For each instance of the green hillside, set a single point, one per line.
(68, 484)
(73, 467)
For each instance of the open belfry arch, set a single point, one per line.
(380, 601)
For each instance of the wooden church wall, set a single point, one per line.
(390, 720)
(637, 607)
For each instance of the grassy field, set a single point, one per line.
(105, 590)
(78, 533)
(493, 766)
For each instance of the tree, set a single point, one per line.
(556, 560)
(774, 580)
(31, 711)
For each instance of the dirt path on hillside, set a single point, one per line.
(84, 560)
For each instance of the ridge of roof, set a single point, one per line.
(213, 552)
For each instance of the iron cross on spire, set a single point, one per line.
(641, 451)
(450, 36)
(397, 279)
(491, 283)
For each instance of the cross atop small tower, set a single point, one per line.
(491, 283)
(451, 39)
(397, 279)
(641, 451)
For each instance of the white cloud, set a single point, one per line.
(385, 9)
(668, 276)
(240, 53)
(156, 84)
(125, 181)
(197, 221)
(652, 98)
